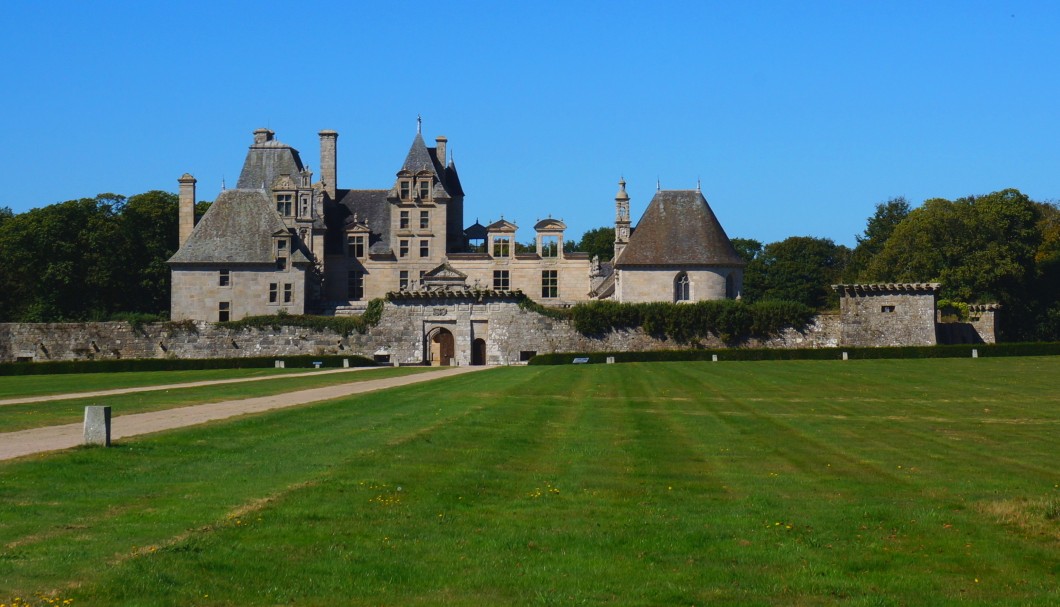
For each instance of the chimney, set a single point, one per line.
(186, 208)
(328, 160)
(263, 135)
(441, 140)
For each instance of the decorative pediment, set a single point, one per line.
(550, 225)
(445, 271)
(445, 278)
(284, 182)
(502, 226)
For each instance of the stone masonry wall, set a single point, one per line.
(507, 330)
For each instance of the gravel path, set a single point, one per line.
(190, 384)
(52, 438)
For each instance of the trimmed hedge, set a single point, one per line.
(343, 325)
(177, 364)
(853, 353)
(731, 320)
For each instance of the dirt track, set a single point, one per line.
(53, 438)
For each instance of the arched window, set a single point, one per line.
(681, 287)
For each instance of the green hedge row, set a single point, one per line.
(726, 354)
(177, 364)
(731, 320)
(343, 325)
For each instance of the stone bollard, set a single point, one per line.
(845, 357)
(345, 363)
(610, 360)
(397, 364)
(713, 358)
(97, 426)
(975, 353)
(279, 364)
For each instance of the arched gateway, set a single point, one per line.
(441, 347)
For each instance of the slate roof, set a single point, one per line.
(370, 206)
(678, 228)
(265, 162)
(238, 228)
(420, 158)
(475, 231)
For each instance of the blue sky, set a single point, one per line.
(798, 117)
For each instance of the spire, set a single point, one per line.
(419, 124)
(699, 185)
(223, 188)
(658, 185)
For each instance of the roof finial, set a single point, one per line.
(419, 124)
(223, 188)
(658, 185)
(699, 185)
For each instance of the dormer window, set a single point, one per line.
(356, 246)
(405, 185)
(549, 246)
(284, 204)
(425, 189)
(502, 246)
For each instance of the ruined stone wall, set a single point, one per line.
(510, 333)
(887, 315)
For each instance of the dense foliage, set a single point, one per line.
(88, 259)
(799, 268)
(729, 320)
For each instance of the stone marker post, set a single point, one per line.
(713, 358)
(345, 363)
(279, 364)
(97, 426)
(975, 353)
(845, 356)
(610, 360)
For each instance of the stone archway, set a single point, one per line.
(478, 352)
(441, 347)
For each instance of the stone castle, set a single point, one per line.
(281, 241)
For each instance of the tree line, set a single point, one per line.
(105, 257)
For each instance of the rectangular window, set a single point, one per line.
(281, 263)
(224, 310)
(304, 210)
(887, 309)
(355, 285)
(501, 280)
(288, 292)
(403, 221)
(355, 247)
(283, 204)
(549, 283)
(403, 248)
(425, 220)
(425, 190)
(404, 190)
(549, 246)
(502, 246)
(403, 280)
(425, 248)
(224, 278)
(274, 292)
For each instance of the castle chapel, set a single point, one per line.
(280, 241)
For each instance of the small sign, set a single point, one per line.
(581, 361)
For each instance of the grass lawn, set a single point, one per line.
(50, 413)
(885, 482)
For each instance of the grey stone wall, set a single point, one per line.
(887, 315)
(508, 331)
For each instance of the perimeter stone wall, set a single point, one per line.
(510, 334)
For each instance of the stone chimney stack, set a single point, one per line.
(186, 208)
(621, 218)
(328, 161)
(441, 141)
(263, 135)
